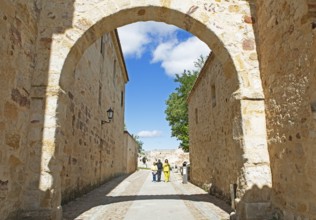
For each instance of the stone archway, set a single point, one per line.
(225, 27)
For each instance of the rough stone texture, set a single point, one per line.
(287, 60)
(214, 149)
(63, 31)
(42, 43)
(91, 152)
(225, 151)
(18, 28)
(258, 210)
(215, 22)
(131, 153)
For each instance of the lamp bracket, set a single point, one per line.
(103, 122)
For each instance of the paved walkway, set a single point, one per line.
(137, 197)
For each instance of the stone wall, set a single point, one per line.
(92, 152)
(68, 28)
(214, 154)
(286, 40)
(18, 28)
(131, 153)
(43, 41)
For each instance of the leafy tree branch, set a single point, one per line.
(177, 108)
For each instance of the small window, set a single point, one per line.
(196, 116)
(102, 46)
(114, 72)
(313, 107)
(213, 93)
(122, 98)
(100, 93)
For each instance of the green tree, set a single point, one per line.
(139, 143)
(177, 108)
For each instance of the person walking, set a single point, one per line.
(154, 170)
(166, 170)
(159, 166)
(144, 159)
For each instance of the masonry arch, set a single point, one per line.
(224, 26)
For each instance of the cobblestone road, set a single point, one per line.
(137, 197)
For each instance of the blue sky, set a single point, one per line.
(154, 53)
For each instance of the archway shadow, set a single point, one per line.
(67, 73)
(100, 197)
(44, 20)
(256, 204)
(54, 163)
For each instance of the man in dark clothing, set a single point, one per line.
(159, 166)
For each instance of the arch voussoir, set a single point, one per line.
(220, 25)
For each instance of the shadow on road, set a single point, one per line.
(108, 194)
(192, 197)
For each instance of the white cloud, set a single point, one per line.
(133, 42)
(161, 39)
(177, 56)
(149, 134)
(137, 36)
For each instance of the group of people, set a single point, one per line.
(157, 168)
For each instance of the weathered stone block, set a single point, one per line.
(4, 184)
(10, 111)
(288, 215)
(4, 188)
(14, 162)
(258, 211)
(248, 44)
(19, 98)
(36, 214)
(283, 31)
(13, 140)
(38, 106)
(2, 127)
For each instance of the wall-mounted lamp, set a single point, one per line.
(110, 116)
